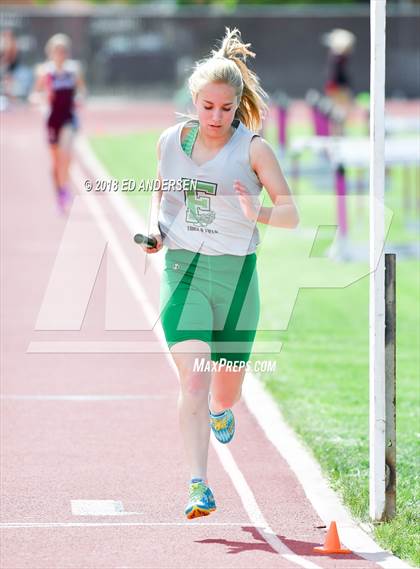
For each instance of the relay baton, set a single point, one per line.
(144, 240)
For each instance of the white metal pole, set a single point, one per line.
(377, 263)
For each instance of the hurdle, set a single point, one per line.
(343, 153)
(328, 118)
(312, 99)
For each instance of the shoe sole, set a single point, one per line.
(197, 512)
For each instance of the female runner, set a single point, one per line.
(209, 289)
(60, 79)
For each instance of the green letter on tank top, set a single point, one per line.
(199, 210)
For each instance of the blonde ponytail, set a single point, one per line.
(228, 65)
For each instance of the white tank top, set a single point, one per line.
(200, 211)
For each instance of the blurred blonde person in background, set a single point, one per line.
(338, 85)
(59, 83)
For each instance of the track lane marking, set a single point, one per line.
(85, 397)
(192, 523)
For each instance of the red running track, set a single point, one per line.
(56, 449)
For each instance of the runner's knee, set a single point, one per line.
(226, 400)
(195, 385)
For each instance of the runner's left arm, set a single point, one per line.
(81, 90)
(266, 166)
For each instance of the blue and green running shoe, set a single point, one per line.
(223, 426)
(201, 501)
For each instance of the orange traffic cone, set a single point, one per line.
(332, 542)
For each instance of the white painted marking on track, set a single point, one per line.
(97, 508)
(191, 524)
(225, 456)
(94, 346)
(117, 250)
(120, 347)
(85, 397)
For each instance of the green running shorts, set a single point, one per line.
(213, 298)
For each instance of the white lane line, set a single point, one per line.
(120, 347)
(191, 524)
(117, 250)
(250, 504)
(122, 260)
(93, 347)
(130, 217)
(300, 459)
(99, 508)
(86, 397)
(225, 455)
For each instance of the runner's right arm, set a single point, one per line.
(154, 214)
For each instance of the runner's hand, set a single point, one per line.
(158, 247)
(246, 200)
